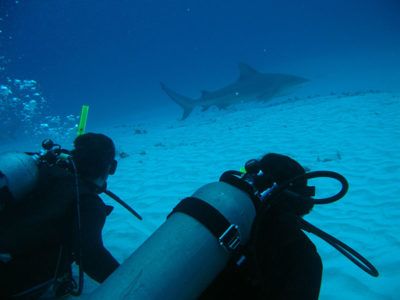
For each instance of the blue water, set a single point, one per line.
(113, 54)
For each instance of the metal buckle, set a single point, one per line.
(230, 239)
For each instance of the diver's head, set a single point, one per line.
(94, 156)
(277, 168)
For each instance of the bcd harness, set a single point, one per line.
(228, 234)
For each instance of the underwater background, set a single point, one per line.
(113, 54)
(56, 56)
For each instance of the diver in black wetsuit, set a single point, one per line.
(42, 236)
(281, 261)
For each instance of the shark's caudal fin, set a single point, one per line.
(186, 103)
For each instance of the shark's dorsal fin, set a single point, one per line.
(205, 93)
(246, 71)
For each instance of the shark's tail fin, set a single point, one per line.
(186, 103)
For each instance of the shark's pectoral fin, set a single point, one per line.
(266, 95)
(186, 113)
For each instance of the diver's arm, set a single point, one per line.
(97, 261)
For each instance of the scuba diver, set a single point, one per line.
(59, 222)
(279, 261)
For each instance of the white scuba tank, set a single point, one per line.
(20, 174)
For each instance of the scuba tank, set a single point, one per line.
(19, 175)
(19, 171)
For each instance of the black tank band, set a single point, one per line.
(226, 233)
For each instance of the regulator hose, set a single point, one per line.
(277, 189)
(346, 250)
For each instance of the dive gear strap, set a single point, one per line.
(235, 178)
(227, 234)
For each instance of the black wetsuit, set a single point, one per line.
(282, 263)
(41, 234)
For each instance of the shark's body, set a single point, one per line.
(251, 86)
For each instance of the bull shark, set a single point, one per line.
(251, 85)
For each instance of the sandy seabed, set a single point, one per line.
(356, 135)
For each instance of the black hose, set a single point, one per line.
(346, 250)
(122, 203)
(318, 174)
(78, 292)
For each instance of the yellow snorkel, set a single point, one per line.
(83, 120)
